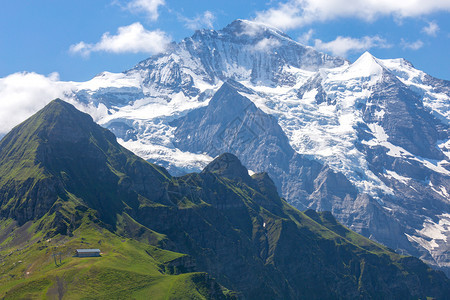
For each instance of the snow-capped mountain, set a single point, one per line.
(367, 140)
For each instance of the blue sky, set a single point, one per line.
(80, 38)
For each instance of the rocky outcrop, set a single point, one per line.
(232, 123)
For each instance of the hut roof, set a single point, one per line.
(88, 250)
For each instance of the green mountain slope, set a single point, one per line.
(60, 153)
(127, 269)
(65, 183)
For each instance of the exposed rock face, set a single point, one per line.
(255, 136)
(232, 123)
(403, 152)
(241, 51)
(399, 138)
(227, 165)
(404, 119)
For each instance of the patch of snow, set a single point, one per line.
(188, 162)
(402, 179)
(444, 146)
(433, 235)
(327, 132)
(438, 102)
(110, 80)
(380, 139)
(379, 114)
(441, 190)
(365, 66)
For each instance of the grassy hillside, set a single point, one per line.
(127, 269)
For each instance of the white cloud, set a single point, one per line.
(343, 45)
(431, 29)
(23, 94)
(132, 39)
(306, 37)
(297, 13)
(412, 45)
(205, 20)
(266, 45)
(286, 16)
(251, 28)
(150, 7)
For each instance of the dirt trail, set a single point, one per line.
(57, 290)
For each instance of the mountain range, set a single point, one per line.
(66, 184)
(368, 140)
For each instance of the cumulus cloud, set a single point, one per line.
(286, 16)
(411, 45)
(149, 7)
(23, 94)
(204, 20)
(266, 45)
(343, 45)
(297, 13)
(132, 39)
(306, 37)
(431, 29)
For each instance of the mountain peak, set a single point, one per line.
(60, 144)
(366, 60)
(233, 84)
(365, 66)
(63, 122)
(57, 121)
(57, 101)
(253, 29)
(243, 50)
(244, 30)
(229, 166)
(59, 105)
(367, 55)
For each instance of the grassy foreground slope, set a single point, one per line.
(127, 269)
